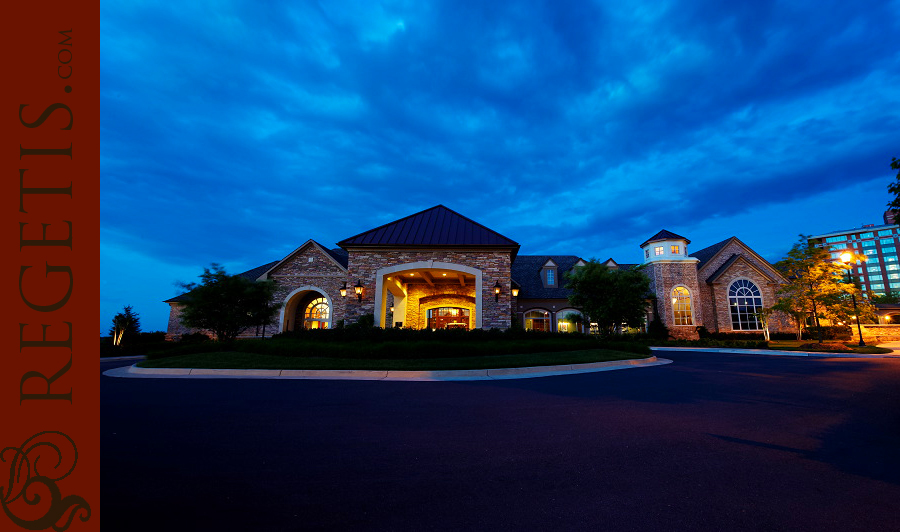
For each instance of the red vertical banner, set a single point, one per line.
(49, 370)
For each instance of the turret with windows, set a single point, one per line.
(665, 245)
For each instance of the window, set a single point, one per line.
(892, 267)
(316, 314)
(835, 255)
(830, 239)
(866, 235)
(658, 250)
(885, 232)
(569, 321)
(876, 278)
(875, 269)
(550, 277)
(870, 252)
(879, 286)
(676, 249)
(744, 300)
(889, 249)
(889, 258)
(894, 276)
(868, 243)
(537, 320)
(887, 241)
(448, 318)
(681, 306)
(894, 284)
(646, 253)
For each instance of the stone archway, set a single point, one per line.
(289, 308)
(387, 280)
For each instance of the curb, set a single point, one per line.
(425, 375)
(774, 352)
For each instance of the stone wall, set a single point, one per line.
(877, 333)
(494, 265)
(714, 297)
(664, 277)
(311, 267)
(422, 297)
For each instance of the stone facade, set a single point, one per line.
(307, 273)
(363, 266)
(714, 292)
(664, 278)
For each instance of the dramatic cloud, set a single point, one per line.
(235, 131)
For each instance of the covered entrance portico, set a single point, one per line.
(417, 291)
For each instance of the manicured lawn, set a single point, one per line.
(794, 345)
(241, 360)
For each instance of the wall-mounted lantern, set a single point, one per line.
(359, 290)
(497, 291)
(344, 290)
(515, 292)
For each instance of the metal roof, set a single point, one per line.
(437, 226)
(664, 235)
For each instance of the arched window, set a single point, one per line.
(744, 301)
(537, 320)
(569, 321)
(681, 306)
(316, 314)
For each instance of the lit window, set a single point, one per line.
(879, 286)
(744, 300)
(889, 249)
(875, 269)
(835, 239)
(316, 314)
(550, 277)
(676, 249)
(569, 321)
(681, 305)
(868, 243)
(537, 320)
(876, 278)
(884, 232)
(866, 235)
(887, 241)
(658, 250)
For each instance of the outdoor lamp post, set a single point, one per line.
(359, 290)
(846, 258)
(497, 291)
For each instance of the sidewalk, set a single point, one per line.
(384, 375)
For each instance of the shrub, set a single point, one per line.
(657, 330)
(834, 332)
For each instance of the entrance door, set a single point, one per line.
(448, 318)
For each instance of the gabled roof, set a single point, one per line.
(437, 226)
(526, 272)
(664, 235)
(338, 256)
(705, 254)
(252, 274)
(727, 264)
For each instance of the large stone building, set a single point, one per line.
(439, 269)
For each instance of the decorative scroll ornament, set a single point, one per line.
(31, 498)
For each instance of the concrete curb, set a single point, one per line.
(450, 375)
(773, 352)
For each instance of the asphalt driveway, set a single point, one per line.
(710, 442)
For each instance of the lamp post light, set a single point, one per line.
(846, 258)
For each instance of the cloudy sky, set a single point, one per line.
(232, 131)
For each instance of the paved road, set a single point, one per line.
(710, 442)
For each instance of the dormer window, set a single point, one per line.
(646, 253)
(658, 250)
(676, 249)
(548, 274)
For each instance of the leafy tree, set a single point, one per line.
(227, 305)
(763, 316)
(894, 188)
(815, 285)
(609, 297)
(125, 322)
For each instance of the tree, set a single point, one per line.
(125, 322)
(227, 305)
(815, 285)
(888, 297)
(894, 188)
(763, 316)
(609, 297)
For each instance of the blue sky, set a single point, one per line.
(232, 132)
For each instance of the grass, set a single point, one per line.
(794, 345)
(242, 360)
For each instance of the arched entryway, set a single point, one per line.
(307, 307)
(413, 289)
